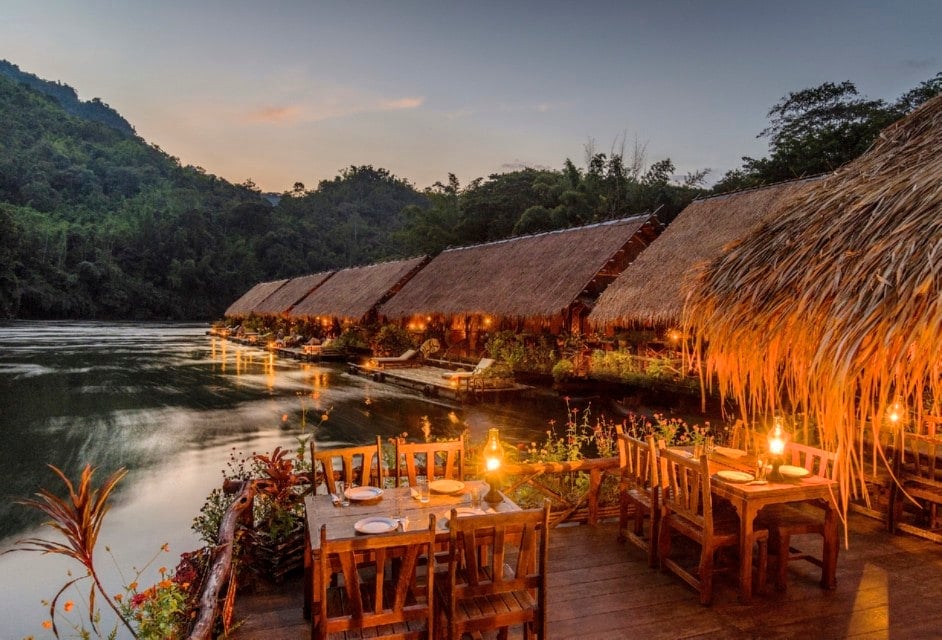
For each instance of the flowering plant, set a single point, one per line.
(163, 611)
(157, 613)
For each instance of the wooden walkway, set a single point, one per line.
(888, 588)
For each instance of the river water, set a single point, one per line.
(171, 404)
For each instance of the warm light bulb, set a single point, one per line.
(493, 451)
(777, 439)
(895, 412)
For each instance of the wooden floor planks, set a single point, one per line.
(889, 588)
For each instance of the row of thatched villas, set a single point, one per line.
(821, 295)
(543, 282)
(593, 278)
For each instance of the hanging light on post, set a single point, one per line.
(493, 455)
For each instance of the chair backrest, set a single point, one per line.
(482, 545)
(637, 460)
(686, 488)
(919, 457)
(374, 591)
(361, 465)
(742, 436)
(434, 460)
(818, 461)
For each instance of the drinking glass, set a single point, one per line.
(341, 490)
(474, 495)
(423, 489)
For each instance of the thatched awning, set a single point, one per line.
(528, 276)
(649, 290)
(293, 291)
(350, 294)
(244, 305)
(838, 300)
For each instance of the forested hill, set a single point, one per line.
(97, 223)
(93, 109)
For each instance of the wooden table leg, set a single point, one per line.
(746, 518)
(830, 549)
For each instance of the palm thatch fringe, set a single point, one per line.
(649, 291)
(834, 306)
(529, 276)
(351, 294)
(246, 304)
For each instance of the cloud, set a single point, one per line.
(317, 108)
(274, 115)
(404, 103)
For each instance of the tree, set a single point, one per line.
(819, 129)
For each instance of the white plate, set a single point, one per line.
(446, 486)
(790, 471)
(731, 475)
(683, 452)
(462, 512)
(375, 524)
(730, 453)
(363, 493)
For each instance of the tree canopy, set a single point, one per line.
(817, 130)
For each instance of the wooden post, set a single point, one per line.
(220, 566)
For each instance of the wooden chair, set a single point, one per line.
(375, 593)
(688, 510)
(361, 465)
(785, 521)
(408, 358)
(639, 490)
(457, 376)
(745, 438)
(433, 460)
(482, 591)
(917, 464)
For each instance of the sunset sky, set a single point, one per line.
(281, 92)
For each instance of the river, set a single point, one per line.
(171, 404)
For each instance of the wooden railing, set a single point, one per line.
(567, 507)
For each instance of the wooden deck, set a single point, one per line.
(887, 588)
(432, 382)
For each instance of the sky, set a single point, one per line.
(286, 92)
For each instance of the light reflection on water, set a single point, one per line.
(170, 404)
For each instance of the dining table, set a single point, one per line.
(749, 496)
(374, 511)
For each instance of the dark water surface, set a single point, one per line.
(170, 404)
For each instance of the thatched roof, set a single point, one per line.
(351, 294)
(282, 300)
(838, 301)
(528, 276)
(244, 305)
(649, 290)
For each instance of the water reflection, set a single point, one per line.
(170, 404)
